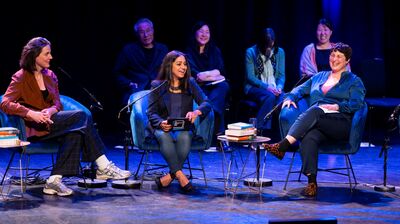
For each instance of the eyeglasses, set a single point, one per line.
(143, 32)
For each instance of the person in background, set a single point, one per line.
(265, 74)
(33, 95)
(335, 96)
(315, 56)
(173, 95)
(207, 66)
(138, 62)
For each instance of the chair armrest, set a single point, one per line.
(71, 104)
(288, 116)
(357, 127)
(138, 117)
(205, 128)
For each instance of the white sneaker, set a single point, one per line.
(57, 187)
(112, 172)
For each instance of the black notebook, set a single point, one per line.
(179, 124)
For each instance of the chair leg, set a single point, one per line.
(145, 166)
(140, 164)
(290, 170)
(8, 167)
(202, 168)
(299, 177)
(348, 168)
(190, 168)
(352, 171)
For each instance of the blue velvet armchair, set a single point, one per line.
(144, 140)
(43, 147)
(287, 117)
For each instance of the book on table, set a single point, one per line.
(239, 125)
(240, 138)
(241, 132)
(5, 131)
(10, 141)
(9, 136)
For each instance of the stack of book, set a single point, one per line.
(240, 131)
(9, 136)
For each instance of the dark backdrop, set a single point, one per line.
(86, 37)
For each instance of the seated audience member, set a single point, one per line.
(334, 97)
(265, 75)
(207, 68)
(33, 95)
(315, 56)
(173, 98)
(139, 62)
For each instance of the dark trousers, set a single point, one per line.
(75, 132)
(265, 101)
(314, 127)
(217, 94)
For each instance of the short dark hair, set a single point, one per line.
(142, 20)
(30, 52)
(326, 22)
(343, 48)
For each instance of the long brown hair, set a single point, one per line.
(165, 72)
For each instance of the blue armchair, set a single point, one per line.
(144, 140)
(289, 115)
(43, 147)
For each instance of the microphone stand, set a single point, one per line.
(91, 96)
(392, 125)
(88, 171)
(279, 105)
(130, 184)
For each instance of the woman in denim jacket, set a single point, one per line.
(334, 97)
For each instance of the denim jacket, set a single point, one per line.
(348, 93)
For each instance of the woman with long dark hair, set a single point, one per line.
(173, 98)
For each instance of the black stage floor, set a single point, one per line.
(212, 204)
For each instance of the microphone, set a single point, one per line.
(97, 103)
(391, 123)
(133, 102)
(395, 113)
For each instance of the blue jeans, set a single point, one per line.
(174, 147)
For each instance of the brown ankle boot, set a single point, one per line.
(274, 150)
(310, 190)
